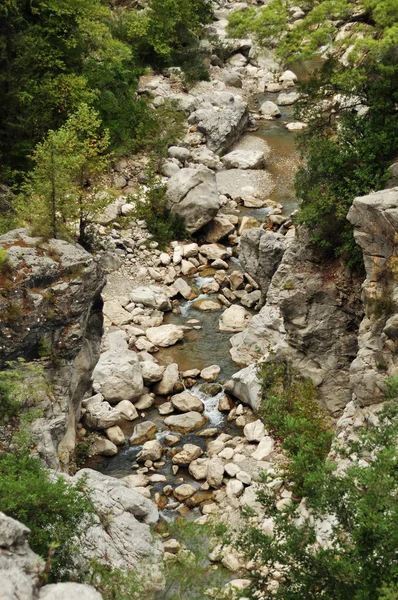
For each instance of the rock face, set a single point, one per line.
(126, 541)
(311, 317)
(375, 219)
(192, 193)
(260, 253)
(55, 303)
(20, 569)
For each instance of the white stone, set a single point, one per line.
(165, 335)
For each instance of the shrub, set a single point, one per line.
(4, 264)
(359, 560)
(164, 225)
(290, 409)
(55, 512)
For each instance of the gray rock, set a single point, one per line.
(100, 415)
(69, 591)
(186, 422)
(179, 152)
(117, 374)
(233, 79)
(165, 335)
(20, 567)
(287, 98)
(185, 402)
(143, 432)
(222, 128)
(269, 109)
(169, 169)
(169, 380)
(152, 296)
(260, 253)
(245, 386)
(241, 159)
(192, 193)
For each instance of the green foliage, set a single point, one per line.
(55, 512)
(392, 387)
(359, 560)
(22, 387)
(166, 30)
(289, 408)
(62, 189)
(164, 225)
(4, 264)
(380, 305)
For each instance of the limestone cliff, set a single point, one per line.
(51, 309)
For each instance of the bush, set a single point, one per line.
(164, 225)
(290, 409)
(55, 512)
(359, 560)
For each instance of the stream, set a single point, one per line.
(204, 346)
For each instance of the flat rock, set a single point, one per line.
(211, 373)
(242, 159)
(152, 296)
(241, 183)
(186, 422)
(186, 402)
(143, 432)
(165, 335)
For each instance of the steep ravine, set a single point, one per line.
(173, 412)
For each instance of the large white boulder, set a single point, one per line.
(192, 193)
(165, 335)
(153, 296)
(234, 319)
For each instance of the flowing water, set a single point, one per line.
(207, 346)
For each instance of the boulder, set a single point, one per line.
(169, 169)
(218, 229)
(241, 159)
(151, 450)
(143, 432)
(183, 288)
(222, 128)
(264, 449)
(235, 318)
(192, 193)
(245, 386)
(269, 109)
(169, 380)
(215, 472)
(188, 453)
(185, 402)
(151, 371)
(254, 432)
(198, 468)
(179, 152)
(100, 415)
(104, 447)
(208, 304)
(186, 422)
(152, 296)
(20, 567)
(210, 373)
(127, 410)
(116, 314)
(214, 251)
(115, 435)
(165, 335)
(117, 376)
(260, 253)
(287, 98)
(183, 492)
(232, 79)
(126, 539)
